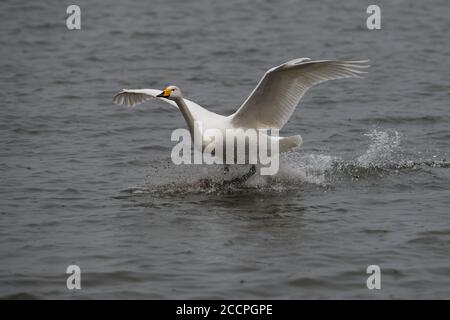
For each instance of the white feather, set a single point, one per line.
(276, 96)
(271, 103)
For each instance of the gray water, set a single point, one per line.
(89, 183)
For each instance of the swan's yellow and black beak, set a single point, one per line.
(165, 93)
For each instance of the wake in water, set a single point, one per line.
(297, 169)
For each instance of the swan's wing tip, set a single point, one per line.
(130, 97)
(133, 97)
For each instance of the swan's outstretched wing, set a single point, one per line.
(132, 97)
(274, 99)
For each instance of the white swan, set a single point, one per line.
(269, 106)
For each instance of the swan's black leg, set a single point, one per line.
(246, 176)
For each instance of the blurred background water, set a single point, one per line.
(89, 183)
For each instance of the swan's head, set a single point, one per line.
(171, 92)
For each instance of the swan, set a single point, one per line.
(269, 105)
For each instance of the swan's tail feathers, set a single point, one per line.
(291, 142)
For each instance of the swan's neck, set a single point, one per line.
(186, 114)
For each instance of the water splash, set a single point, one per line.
(381, 151)
(382, 154)
(297, 169)
(307, 168)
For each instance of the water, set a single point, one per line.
(89, 183)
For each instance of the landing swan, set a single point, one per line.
(269, 106)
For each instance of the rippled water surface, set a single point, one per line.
(89, 183)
